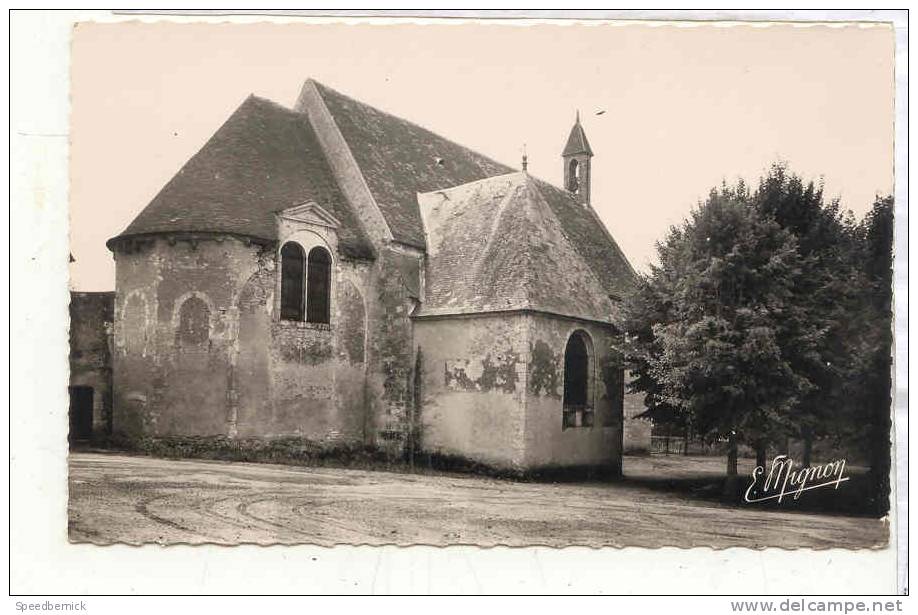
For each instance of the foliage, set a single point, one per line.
(767, 317)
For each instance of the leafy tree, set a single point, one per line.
(711, 329)
(874, 371)
(769, 316)
(829, 294)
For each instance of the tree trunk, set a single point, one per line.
(807, 448)
(761, 454)
(685, 441)
(731, 456)
(730, 483)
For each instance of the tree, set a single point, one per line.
(712, 329)
(874, 372)
(828, 294)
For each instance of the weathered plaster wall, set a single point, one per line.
(91, 322)
(547, 444)
(473, 387)
(254, 375)
(164, 384)
(392, 290)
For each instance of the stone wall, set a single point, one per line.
(548, 444)
(226, 365)
(492, 387)
(392, 290)
(167, 382)
(473, 387)
(198, 350)
(91, 321)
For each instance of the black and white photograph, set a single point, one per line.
(481, 283)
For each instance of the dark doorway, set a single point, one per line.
(80, 413)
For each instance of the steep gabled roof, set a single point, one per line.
(399, 159)
(496, 245)
(577, 141)
(264, 159)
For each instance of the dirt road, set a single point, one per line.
(115, 498)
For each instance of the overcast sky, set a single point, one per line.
(683, 107)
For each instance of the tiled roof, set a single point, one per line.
(498, 244)
(399, 159)
(577, 142)
(590, 238)
(265, 158)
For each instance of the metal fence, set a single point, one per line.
(667, 445)
(677, 445)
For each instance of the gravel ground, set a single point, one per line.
(128, 499)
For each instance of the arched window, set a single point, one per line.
(318, 285)
(573, 176)
(194, 322)
(578, 376)
(292, 278)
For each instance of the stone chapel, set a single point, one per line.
(336, 273)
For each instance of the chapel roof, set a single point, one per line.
(265, 158)
(399, 159)
(499, 244)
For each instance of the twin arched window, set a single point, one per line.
(305, 284)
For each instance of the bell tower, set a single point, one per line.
(577, 155)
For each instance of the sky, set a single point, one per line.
(684, 107)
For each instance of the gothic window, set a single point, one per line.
(194, 322)
(578, 370)
(318, 285)
(292, 279)
(573, 176)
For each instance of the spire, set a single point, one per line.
(525, 158)
(577, 142)
(577, 157)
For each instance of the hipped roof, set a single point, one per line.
(267, 158)
(499, 245)
(263, 159)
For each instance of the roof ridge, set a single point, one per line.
(498, 221)
(537, 197)
(473, 182)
